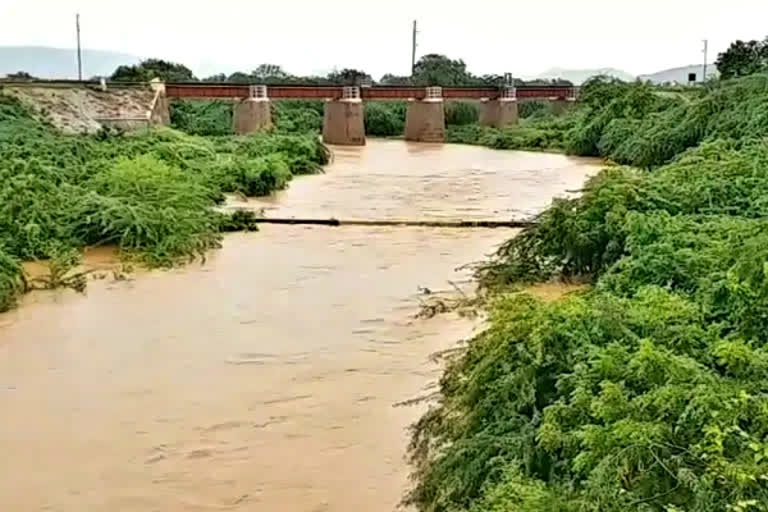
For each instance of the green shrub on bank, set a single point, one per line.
(598, 403)
(11, 280)
(385, 119)
(214, 117)
(733, 110)
(382, 119)
(147, 207)
(635, 124)
(585, 236)
(152, 193)
(648, 390)
(458, 113)
(202, 117)
(534, 110)
(538, 135)
(298, 116)
(255, 176)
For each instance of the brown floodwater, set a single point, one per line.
(269, 377)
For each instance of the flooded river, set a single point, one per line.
(267, 378)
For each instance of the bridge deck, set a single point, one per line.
(321, 92)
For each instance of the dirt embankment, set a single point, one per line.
(86, 109)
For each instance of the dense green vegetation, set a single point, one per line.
(636, 124)
(533, 135)
(152, 194)
(648, 390)
(385, 119)
(202, 117)
(382, 119)
(214, 117)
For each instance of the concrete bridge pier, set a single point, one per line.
(343, 121)
(425, 119)
(499, 113)
(502, 111)
(252, 114)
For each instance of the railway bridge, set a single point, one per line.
(343, 114)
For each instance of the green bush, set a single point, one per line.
(385, 119)
(145, 206)
(597, 403)
(152, 193)
(636, 124)
(534, 110)
(648, 390)
(543, 134)
(584, 236)
(11, 280)
(206, 117)
(198, 117)
(256, 176)
(459, 113)
(298, 116)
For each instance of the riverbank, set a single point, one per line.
(152, 194)
(646, 391)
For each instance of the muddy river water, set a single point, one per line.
(267, 378)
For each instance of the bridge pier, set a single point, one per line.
(499, 113)
(252, 114)
(425, 119)
(343, 121)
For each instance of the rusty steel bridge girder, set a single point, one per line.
(375, 93)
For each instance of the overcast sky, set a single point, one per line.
(309, 36)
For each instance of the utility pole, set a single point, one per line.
(704, 71)
(79, 54)
(413, 49)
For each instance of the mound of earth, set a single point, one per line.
(86, 109)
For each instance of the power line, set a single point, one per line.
(79, 54)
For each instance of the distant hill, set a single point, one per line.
(579, 76)
(47, 62)
(680, 75)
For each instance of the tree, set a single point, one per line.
(549, 81)
(492, 80)
(390, 79)
(270, 74)
(19, 75)
(150, 69)
(743, 58)
(434, 69)
(348, 77)
(218, 77)
(239, 77)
